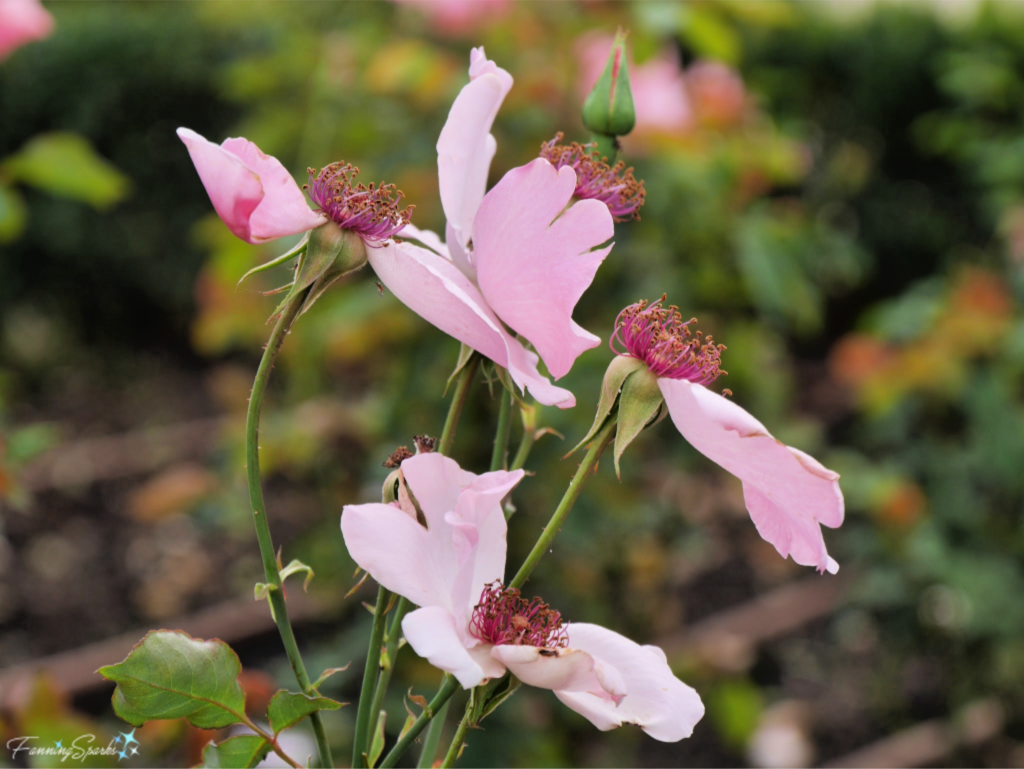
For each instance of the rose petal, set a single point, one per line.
(787, 492)
(534, 260)
(656, 701)
(433, 287)
(465, 148)
(432, 633)
(429, 239)
(569, 670)
(21, 22)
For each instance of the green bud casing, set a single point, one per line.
(608, 110)
(330, 253)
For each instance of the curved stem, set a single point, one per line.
(456, 747)
(433, 738)
(271, 740)
(360, 743)
(448, 687)
(583, 473)
(259, 513)
(499, 455)
(444, 446)
(530, 416)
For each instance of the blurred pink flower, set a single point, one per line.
(475, 629)
(659, 89)
(253, 193)
(519, 255)
(717, 92)
(458, 17)
(787, 492)
(21, 22)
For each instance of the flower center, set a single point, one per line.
(372, 211)
(658, 336)
(615, 186)
(503, 616)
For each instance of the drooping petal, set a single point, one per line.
(465, 148)
(428, 238)
(432, 633)
(656, 701)
(21, 22)
(284, 210)
(569, 670)
(787, 492)
(253, 193)
(435, 289)
(534, 260)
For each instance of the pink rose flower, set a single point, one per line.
(472, 627)
(788, 494)
(518, 256)
(22, 21)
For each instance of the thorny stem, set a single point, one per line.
(391, 649)
(449, 686)
(530, 415)
(259, 512)
(444, 446)
(499, 456)
(456, 747)
(586, 469)
(360, 744)
(433, 738)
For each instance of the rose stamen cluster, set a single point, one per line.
(504, 617)
(615, 186)
(658, 336)
(372, 211)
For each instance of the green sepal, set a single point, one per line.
(294, 568)
(609, 108)
(619, 370)
(504, 688)
(169, 674)
(242, 752)
(297, 251)
(327, 674)
(288, 708)
(639, 403)
(465, 353)
(261, 592)
(330, 253)
(377, 743)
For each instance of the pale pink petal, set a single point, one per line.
(429, 239)
(787, 492)
(252, 193)
(465, 148)
(283, 210)
(432, 634)
(569, 670)
(656, 701)
(534, 260)
(399, 553)
(21, 22)
(461, 256)
(435, 289)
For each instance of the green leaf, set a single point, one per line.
(294, 568)
(12, 214)
(296, 252)
(288, 708)
(638, 405)
(377, 744)
(327, 674)
(261, 592)
(237, 752)
(65, 164)
(618, 372)
(169, 674)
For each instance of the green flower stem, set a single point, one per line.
(444, 446)
(271, 740)
(448, 687)
(530, 419)
(259, 513)
(391, 646)
(460, 736)
(360, 743)
(586, 469)
(499, 456)
(433, 738)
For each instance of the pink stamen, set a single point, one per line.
(614, 186)
(372, 211)
(503, 616)
(658, 336)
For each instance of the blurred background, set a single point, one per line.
(835, 190)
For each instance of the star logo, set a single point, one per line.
(59, 743)
(129, 738)
(121, 755)
(117, 740)
(135, 751)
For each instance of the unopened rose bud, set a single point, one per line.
(608, 110)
